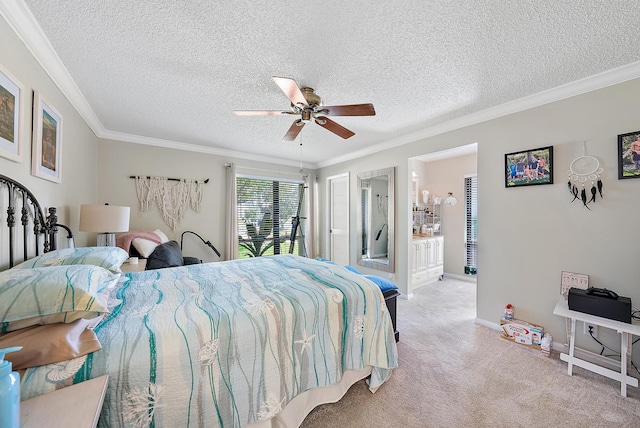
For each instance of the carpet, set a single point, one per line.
(454, 372)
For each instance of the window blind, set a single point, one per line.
(266, 208)
(471, 224)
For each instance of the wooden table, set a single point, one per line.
(625, 329)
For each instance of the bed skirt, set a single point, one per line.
(298, 408)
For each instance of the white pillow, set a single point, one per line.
(144, 246)
(162, 236)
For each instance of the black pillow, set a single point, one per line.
(164, 256)
(191, 261)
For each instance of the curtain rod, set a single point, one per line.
(206, 180)
(248, 168)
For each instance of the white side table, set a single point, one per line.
(75, 406)
(625, 329)
(138, 267)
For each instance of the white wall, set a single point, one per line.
(120, 160)
(79, 143)
(528, 236)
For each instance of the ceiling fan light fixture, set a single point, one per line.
(310, 95)
(306, 103)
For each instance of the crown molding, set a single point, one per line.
(572, 89)
(158, 142)
(24, 24)
(27, 28)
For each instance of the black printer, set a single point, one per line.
(601, 303)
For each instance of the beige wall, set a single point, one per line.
(120, 160)
(528, 236)
(539, 231)
(441, 177)
(79, 143)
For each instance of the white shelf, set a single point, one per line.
(625, 329)
(433, 217)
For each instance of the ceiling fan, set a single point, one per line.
(306, 103)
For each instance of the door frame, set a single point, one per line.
(329, 208)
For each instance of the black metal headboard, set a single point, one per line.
(33, 226)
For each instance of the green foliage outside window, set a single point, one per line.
(258, 235)
(265, 211)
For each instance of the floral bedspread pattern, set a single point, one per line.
(227, 344)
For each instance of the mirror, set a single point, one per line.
(375, 219)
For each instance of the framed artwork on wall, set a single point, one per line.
(11, 116)
(629, 155)
(529, 167)
(46, 149)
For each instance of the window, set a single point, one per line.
(471, 224)
(266, 210)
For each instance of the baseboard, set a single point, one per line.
(466, 278)
(583, 354)
(491, 325)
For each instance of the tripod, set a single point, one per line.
(295, 223)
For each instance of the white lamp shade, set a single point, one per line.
(104, 218)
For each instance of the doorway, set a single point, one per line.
(439, 174)
(338, 203)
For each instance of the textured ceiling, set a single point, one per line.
(174, 71)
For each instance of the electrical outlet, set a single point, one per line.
(594, 329)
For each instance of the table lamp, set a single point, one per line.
(106, 220)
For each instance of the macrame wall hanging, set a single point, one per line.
(585, 171)
(383, 205)
(172, 199)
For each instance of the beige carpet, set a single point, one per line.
(456, 373)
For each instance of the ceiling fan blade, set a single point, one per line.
(349, 110)
(261, 112)
(293, 131)
(291, 90)
(332, 126)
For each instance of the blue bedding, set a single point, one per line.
(229, 343)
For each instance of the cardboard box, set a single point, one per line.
(521, 332)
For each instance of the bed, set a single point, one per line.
(254, 342)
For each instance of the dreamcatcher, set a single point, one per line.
(585, 169)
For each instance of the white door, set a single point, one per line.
(338, 218)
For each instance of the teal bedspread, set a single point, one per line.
(230, 343)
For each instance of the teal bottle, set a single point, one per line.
(9, 392)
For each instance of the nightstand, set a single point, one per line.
(138, 267)
(75, 406)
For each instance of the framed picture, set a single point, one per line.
(629, 155)
(47, 140)
(529, 167)
(11, 117)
